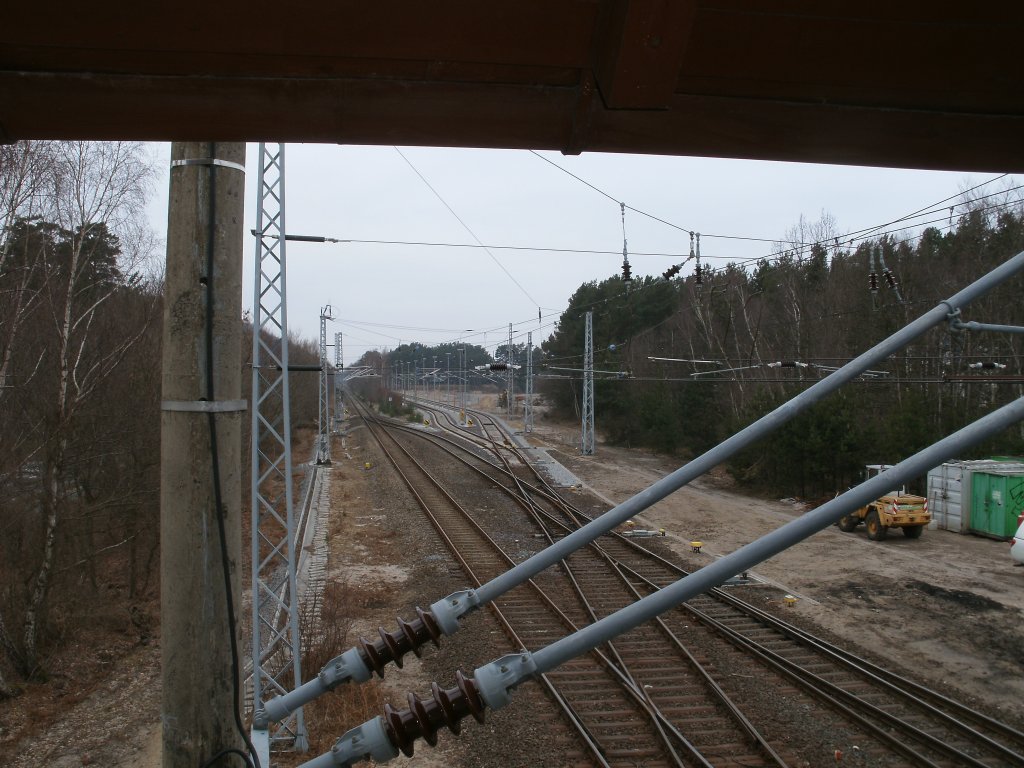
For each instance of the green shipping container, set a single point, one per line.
(996, 500)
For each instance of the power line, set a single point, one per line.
(847, 238)
(466, 227)
(775, 240)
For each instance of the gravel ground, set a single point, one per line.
(945, 608)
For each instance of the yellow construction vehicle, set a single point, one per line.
(896, 509)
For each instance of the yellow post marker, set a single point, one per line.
(696, 545)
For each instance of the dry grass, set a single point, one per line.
(349, 705)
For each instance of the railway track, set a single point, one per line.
(602, 694)
(896, 721)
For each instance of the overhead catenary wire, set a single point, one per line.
(832, 241)
(466, 227)
(873, 229)
(847, 240)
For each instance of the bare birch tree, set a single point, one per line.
(96, 193)
(26, 186)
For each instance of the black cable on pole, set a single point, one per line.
(217, 493)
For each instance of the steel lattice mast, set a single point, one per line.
(339, 364)
(323, 451)
(528, 396)
(587, 440)
(509, 393)
(275, 620)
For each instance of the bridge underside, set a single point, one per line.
(911, 84)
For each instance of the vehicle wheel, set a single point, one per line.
(848, 523)
(913, 531)
(876, 531)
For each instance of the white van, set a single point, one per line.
(1017, 546)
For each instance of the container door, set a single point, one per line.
(981, 511)
(956, 519)
(944, 498)
(989, 510)
(1015, 499)
(1002, 510)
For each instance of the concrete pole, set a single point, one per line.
(205, 208)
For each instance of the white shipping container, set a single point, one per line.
(946, 501)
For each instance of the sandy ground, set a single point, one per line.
(946, 606)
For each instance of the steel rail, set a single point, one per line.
(632, 686)
(860, 667)
(834, 694)
(521, 495)
(585, 730)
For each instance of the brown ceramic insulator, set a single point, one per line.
(392, 646)
(444, 708)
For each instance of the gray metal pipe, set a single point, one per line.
(496, 680)
(971, 325)
(771, 544)
(448, 610)
(766, 424)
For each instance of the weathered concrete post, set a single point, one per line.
(203, 284)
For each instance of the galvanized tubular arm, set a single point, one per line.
(763, 426)
(492, 684)
(447, 611)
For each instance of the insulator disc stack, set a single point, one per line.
(392, 646)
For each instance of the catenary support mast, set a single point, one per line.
(510, 391)
(323, 449)
(275, 649)
(587, 438)
(528, 396)
(339, 364)
(200, 447)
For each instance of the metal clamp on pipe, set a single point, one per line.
(359, 663)
(341, 669)
(957, 325)
(496, 680)
(450, 609)
(361, 743)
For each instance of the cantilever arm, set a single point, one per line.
(445, 613)
(491, 684)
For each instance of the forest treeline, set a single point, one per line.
(738, 342)
(80, 359)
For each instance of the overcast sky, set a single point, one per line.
(382, 295)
